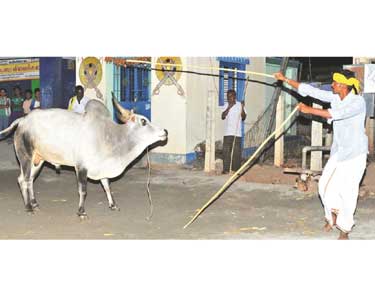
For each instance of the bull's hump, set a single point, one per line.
(97, 108)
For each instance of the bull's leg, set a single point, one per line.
(25, 195)
(82, 190)
(24, 183)
(111, 202)
(34, 172)
(24, 150)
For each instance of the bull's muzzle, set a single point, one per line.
(164, 136)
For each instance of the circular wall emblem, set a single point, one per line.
(168, 70)
(90, 72)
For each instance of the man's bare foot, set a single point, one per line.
(343, 235)
(327, 227)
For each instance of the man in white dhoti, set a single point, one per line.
(339, 184)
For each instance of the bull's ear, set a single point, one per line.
(132, 111)
(132, 118)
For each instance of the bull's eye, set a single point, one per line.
(144, 122)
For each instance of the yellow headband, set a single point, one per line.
(340, 78)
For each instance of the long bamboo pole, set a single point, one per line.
(236, 174)
(199, 67)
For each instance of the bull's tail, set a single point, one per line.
(4, 133)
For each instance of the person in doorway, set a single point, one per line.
(79, 101)
(16, 104)
(4, 109)
(27, 102)
(36, 100)
(339, 183)
(233, 113)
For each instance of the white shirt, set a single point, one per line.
(232, 122)
(36, 104)
(78, 107)
(348, 117)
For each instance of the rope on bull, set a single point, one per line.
(148, 187)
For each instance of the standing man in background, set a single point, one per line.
(36, 103)
(4, 109)
(27, 102)
(78, 102)
(233, 113)
(17, 101)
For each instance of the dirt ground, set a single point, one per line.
(261, 205)
(269, 174)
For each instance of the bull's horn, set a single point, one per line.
(125, 114)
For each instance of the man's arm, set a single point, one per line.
(225, 112)
(291, 82)
(307, 90)
(243, 112)
(324, 113)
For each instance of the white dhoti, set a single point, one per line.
(339, 187)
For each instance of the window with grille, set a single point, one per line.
(135, 83)
(230, 79)
(132, 83)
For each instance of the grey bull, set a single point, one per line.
(92, 143)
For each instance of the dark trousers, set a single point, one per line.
(227, 153)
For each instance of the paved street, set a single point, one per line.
(246, 211)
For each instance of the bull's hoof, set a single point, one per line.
(114, 208)
(30, 212)
(35, 206)
(29, 209)
(82, 214)
(83, 217)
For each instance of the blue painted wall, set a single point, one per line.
(69, 81)
(50, 81)
(57, 81)
(172, 158)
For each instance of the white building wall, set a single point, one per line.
(169, 110)
(109, 78)
(198, 87)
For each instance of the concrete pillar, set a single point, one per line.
(328, 139)
(316, 140)
(370, 123)
(209, 164)
(279, 144)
